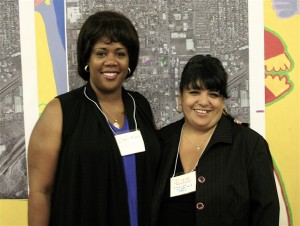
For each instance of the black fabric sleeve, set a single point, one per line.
(264, 203)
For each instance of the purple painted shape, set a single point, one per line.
(286, 8)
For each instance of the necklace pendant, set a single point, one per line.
(117, 125)
(198, 148)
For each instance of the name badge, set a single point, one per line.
(130, 143)
(183, 184)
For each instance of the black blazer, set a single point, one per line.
(239, 185)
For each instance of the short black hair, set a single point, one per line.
(204, 72)
(113, 26)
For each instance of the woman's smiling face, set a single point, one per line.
(202, 108)
(108, 66)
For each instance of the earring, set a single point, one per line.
(86, 68)
(178, 107)
(129, 71)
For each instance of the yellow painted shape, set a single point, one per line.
(46, 80)
(279, 63)
(13, 212)
(277, 84)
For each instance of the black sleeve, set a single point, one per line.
(264, 203)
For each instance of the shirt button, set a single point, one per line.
(200, 206)
(201, 179)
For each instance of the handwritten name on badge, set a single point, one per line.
(130, 143)
(183, 184)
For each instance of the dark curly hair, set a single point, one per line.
(113, 26)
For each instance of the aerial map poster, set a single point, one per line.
(13, 174)
(170, 33)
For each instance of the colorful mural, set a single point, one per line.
(282, 57)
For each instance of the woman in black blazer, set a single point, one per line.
(213, 171)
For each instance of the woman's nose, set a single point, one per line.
(111, 60)
(202, 99)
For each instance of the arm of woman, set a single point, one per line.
(43, 151)
(264, 206)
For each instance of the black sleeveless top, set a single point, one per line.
(90, 187)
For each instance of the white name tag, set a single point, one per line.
(130, 143)
(183, 184)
